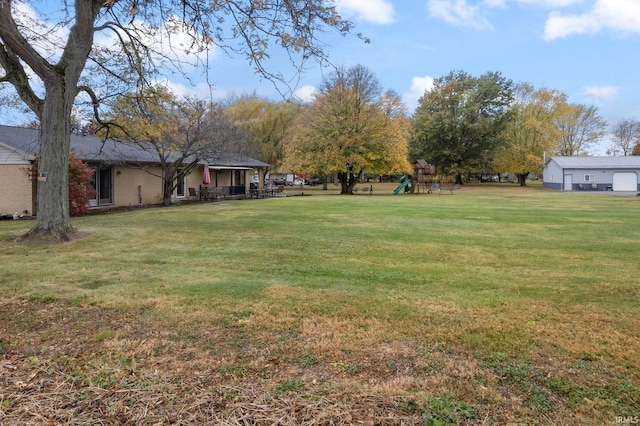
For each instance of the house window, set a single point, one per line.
(181, 187)
(589, 178)
(103, 186)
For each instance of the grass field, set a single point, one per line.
(495, 305)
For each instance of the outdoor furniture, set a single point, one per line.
(266, 192)
(217, 193)
(193, 194)
(204, 194)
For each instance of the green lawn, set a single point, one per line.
(495, 305)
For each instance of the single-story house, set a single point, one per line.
(592, 173)
(124, 174)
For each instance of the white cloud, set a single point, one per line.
(460, 13)
(474, 13)
(598, 93)
(622, 15)
(419, 86)
(495, 3)
(545, 4)
(305, 93)
(550, 4)
(200, 90)
(617, 15)
(374, 11)
(559, 26)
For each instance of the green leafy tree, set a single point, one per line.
(458, 122)
(351, 127)
(580, 128)
(530, 131)
(50, 64)
(265, 122)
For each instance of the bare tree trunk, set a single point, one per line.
(167, 192)
(522, 178)
(343, 178)
(53, 222)
(52, 217)
(347, 182)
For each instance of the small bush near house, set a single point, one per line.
(80, 188)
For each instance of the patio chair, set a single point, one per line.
(193, 195)
(204, 194)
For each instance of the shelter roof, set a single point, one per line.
(420, 164)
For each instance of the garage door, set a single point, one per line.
(625, 181)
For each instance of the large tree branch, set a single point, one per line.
(80, 41)
(20, 46)
(17, 76)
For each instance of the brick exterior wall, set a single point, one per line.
(15, 189)
(125, 186)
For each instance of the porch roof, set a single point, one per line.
(228, 168)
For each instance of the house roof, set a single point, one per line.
(87, 148)
(628, 162)
(20, 139)
(93, 148)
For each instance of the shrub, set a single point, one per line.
(80, 184)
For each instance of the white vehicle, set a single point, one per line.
(296, 181)
(290, 179)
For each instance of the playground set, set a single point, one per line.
(421, 179)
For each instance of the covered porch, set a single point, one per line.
(228, 179)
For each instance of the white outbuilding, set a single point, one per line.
(592, 174)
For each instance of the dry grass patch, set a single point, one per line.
(484, 307)
(146, 371)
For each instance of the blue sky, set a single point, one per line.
(589, 49)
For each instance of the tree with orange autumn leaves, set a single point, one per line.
(350, 128)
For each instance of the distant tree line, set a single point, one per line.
(465, 125)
